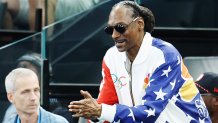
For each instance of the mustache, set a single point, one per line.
(120, 40)
(34, 104)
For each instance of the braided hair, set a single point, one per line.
(140, 11)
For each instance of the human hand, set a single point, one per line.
(87, 107)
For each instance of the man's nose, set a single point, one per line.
(33, 96)
(115, 34)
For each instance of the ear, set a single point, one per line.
(215, 101)
(141, 24)
(10, 97)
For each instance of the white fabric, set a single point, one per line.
(108, 112)
(167, 115)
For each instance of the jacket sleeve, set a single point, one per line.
(163, 88)
(107, 93)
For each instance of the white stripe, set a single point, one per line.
(171, 113)
(108, 112)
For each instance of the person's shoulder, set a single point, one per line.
(10, 119)
(168, 50)
(10, 114)
(48, 117)
(57, 118)
(161, 44)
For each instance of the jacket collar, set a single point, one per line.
(143, 51)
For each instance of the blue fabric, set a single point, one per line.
(45, 116)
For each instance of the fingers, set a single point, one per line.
(79, 111)
(76, 110)
(81, 102)
(77, 115)
(85, 94)
(74, 106)
(85, 107)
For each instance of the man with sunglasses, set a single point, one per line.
(207, 84)
(144, 78)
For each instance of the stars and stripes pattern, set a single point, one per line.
(162, 90)
(170, 95)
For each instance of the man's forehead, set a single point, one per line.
(121, 11)
(119, 14)
(27, 88)
(30, 80)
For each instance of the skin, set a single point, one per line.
(26, 98)
(131, 40)
(13, 7)
(128, 42)
(87, 107)
(33, 5)
(211, 103)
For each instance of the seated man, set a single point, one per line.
(207, 84)
(32, 61)
(23, 91)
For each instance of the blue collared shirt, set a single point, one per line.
(39, 119)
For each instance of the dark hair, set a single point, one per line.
(140, 11)
(35, 59)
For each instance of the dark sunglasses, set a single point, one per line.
(121, 28)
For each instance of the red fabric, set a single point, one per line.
(108, 93)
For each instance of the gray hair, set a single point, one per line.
(11, 78)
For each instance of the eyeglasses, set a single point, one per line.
(121, 28)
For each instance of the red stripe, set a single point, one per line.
(108, 93)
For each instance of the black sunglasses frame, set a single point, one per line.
(120, 28)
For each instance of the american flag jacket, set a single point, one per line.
(156, 88)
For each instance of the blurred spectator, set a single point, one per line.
(21, 13)
(31, 61)
(207, 84)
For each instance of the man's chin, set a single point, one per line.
(33, 108)
(121, 49)
(32, 111)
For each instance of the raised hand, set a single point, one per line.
(87, 107)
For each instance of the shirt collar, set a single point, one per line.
(38, 121)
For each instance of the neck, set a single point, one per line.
(132, 53)
(28, 118)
